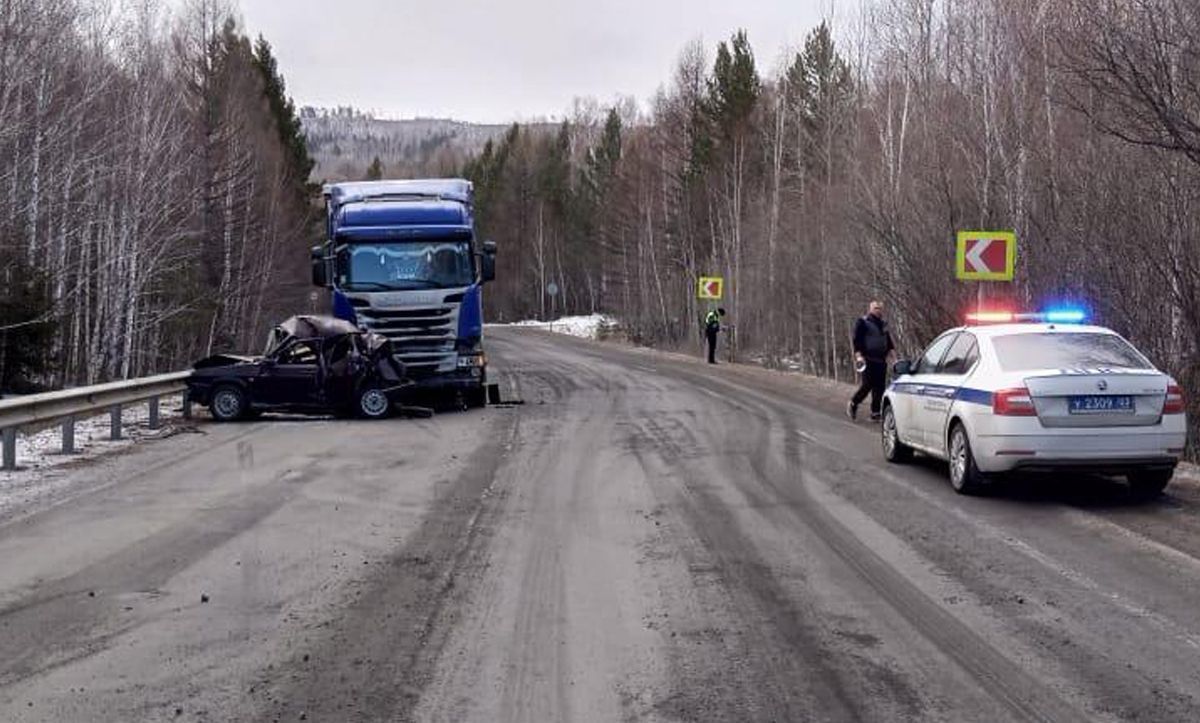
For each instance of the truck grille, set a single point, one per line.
(423, 337)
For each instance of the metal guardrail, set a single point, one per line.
(69, 405)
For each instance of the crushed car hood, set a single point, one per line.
(225, 360)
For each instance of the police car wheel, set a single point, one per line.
(893, 449)
(965, 476)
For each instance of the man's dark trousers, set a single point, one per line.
(874, 377)
(712, 346)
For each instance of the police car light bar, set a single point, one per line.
(1054, 316)
(991, 317)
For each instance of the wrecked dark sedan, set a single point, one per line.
(313, 365)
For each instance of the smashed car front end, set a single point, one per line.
(383, 366)
(219, 368)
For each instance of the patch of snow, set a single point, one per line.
(790, 363)
(593, 326)
(39, 453)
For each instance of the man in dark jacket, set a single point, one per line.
(873, 347)
(712, 327)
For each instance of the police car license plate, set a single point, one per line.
(1099, 404)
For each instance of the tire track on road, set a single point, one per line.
(375, 658)
(789, 674)
(553, 633)
(1026, 697)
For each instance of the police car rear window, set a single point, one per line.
(1021, 352)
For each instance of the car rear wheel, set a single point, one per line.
(1150, 482)
(228, 403)
(372, 403)
(893, 449)
(965, 476)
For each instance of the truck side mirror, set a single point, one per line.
(320, 275)
(487, 262)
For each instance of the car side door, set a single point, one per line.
(290, 378)
(903, 398)
(342, 370)
(924, 387)
(942, 388)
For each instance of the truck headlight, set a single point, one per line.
(472, 361)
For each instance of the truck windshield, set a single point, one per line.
(400, 265)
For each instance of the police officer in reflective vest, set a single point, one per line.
(712, 327)
(872, 347)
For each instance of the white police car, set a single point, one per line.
(1036, 392)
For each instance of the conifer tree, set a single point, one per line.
(375, 170)
(283, 109)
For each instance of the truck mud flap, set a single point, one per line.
(494, 399)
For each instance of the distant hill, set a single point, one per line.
(344, 141)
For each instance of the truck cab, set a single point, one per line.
(401, 259)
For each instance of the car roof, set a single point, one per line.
(311, 326)
(991, 331)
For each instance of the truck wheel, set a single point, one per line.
(372, 403)
(893, 449)
(228, 403)
(477, 398)
(965, 476)
(1150, 483)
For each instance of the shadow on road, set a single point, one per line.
(1084, 491)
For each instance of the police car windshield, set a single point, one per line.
(1023, 352)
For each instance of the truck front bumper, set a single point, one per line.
(447, 382)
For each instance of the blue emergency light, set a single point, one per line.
(1066, 316)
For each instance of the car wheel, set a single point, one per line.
(372, 403)
(228, 403)
(893, 449)
(1150, 483)
(965, 476)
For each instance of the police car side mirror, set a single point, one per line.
(902, 368)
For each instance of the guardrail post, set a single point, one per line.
(8, 440)
(65, 407)
(187, 406)
(68, 435)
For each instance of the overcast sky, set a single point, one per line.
(503, 60)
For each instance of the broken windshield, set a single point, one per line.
(389, 266)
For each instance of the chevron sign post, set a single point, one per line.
(986, 255)
(711, 288)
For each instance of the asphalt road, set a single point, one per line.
(646, 539)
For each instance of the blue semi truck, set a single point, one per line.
(401, 259)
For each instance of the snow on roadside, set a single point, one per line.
(793, 363)
(593, 326)
(40, 452)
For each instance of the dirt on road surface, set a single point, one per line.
(646, 539)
